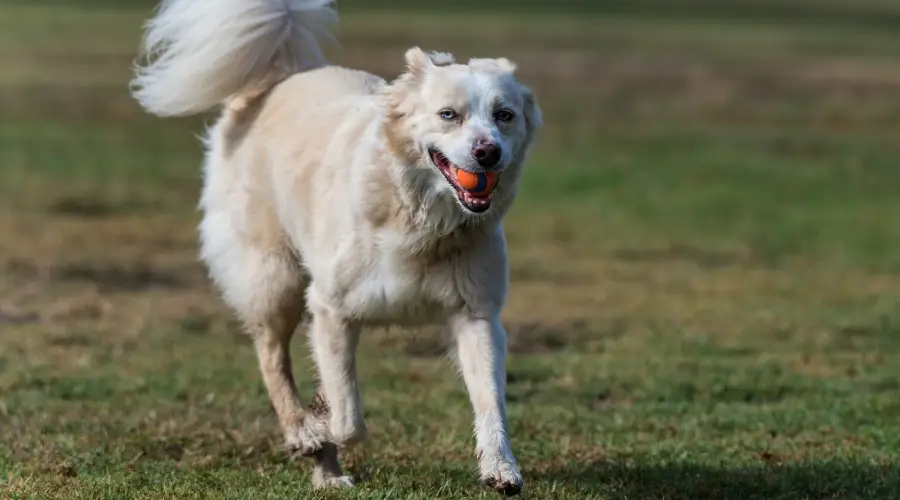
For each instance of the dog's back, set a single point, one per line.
(331, 83)
(294, 150)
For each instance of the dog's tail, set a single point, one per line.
(202, 53)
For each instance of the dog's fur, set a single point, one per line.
(322, 199)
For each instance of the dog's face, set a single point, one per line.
(466, 128)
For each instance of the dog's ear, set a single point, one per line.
(418, 61)
(498, 65)
(532, 110)
(505, 65)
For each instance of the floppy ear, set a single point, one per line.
(418, 61)
(533, 115)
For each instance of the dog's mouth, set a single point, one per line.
(474, 189)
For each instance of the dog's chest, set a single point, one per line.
(393, 291)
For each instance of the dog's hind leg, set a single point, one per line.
(305, 429)
(304, 432)
(263, 283)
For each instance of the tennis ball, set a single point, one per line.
(482, 183)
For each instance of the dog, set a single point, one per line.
(335, 197)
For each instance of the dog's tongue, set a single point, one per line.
(479, 184)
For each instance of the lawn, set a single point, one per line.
(705, 297)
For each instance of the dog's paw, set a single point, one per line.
(306, 438)
(504, 477)
(323, 483)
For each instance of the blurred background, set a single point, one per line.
(704, 259)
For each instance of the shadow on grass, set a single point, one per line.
(844, 480)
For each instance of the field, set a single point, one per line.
(705, 266)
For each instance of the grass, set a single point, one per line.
(705, 279)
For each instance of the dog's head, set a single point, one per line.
(462, 132)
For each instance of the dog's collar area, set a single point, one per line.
(472, 202)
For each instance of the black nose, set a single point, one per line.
(487, 154)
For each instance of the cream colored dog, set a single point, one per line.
(333, 194)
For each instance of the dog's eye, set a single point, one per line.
(504, 115)
(448, 114)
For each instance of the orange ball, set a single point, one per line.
(477, 183)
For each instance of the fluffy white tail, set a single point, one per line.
(203, 52)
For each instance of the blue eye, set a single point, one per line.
(504, 115)
(448, 114)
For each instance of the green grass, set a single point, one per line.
(705, 291)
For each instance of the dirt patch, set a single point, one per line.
(862, 330)
(523, 337)
(707, 259)
(71, 341)
(82, 207)
(87, 104)
(18, 318)
(541, 338)
(115, 277)
(21, 269)
(530, 272)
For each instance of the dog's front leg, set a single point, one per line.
(481, 354)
